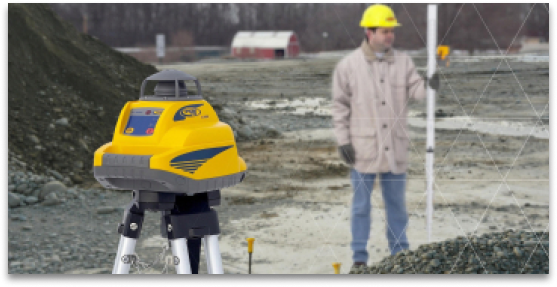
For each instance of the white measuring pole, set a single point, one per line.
(430, 143)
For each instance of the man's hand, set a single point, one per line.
(433, 82)
(347, 154)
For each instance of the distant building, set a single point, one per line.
(532, 43)
(265, 44)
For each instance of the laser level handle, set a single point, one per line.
(171, 75)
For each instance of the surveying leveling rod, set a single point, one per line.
(430, 140)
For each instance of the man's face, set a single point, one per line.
(382, 38)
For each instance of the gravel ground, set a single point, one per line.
(510, 252)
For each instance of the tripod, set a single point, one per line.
(187, 221)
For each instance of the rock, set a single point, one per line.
(13, 200)
(31, 200)
(83, 144)
(56, 174)
(77, 179)
(26, 227)
(36, 193)
(16, 264)
(62, 122)
(51, 199)
(272, 132)
(55, 259)
(52, 187)
(227, 113)
(71, 193)
(23, 188)
(19, 217)
(245, 132)
(78, 164)
(106, 210)
(34, 139)
(217, 107)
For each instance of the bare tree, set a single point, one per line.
(463, 26)
(538, 20)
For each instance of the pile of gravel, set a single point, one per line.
(27, 188)
(65, 91)
(509, 252)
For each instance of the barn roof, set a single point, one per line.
(262, 39)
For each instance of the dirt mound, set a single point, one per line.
(66, 90)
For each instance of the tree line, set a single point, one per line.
(319, 26)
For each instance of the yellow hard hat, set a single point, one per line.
(379, 15)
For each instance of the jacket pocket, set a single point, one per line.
(401, 143)
(365, 145)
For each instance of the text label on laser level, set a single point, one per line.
(187, 112)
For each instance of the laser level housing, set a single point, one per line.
(169, 142)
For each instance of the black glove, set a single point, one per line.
(433, 82)
(347, 154)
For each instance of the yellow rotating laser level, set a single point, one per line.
(170, 142)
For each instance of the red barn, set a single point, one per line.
(265, 44)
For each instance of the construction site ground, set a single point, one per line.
(491, 167)
(491, 161)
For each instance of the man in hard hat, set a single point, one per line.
(371, 88)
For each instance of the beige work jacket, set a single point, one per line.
(369, 107)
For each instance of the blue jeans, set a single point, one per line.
(394, 189)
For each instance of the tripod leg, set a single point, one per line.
(124, 256)
(130, 230)
(212, 254)
(181, 256)
(118, 256)
(207, 251)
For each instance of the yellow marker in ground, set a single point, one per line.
(250, 251)
(336, 265)
(250, 244)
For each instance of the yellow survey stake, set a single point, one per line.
(336, 265)
(250, 244)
